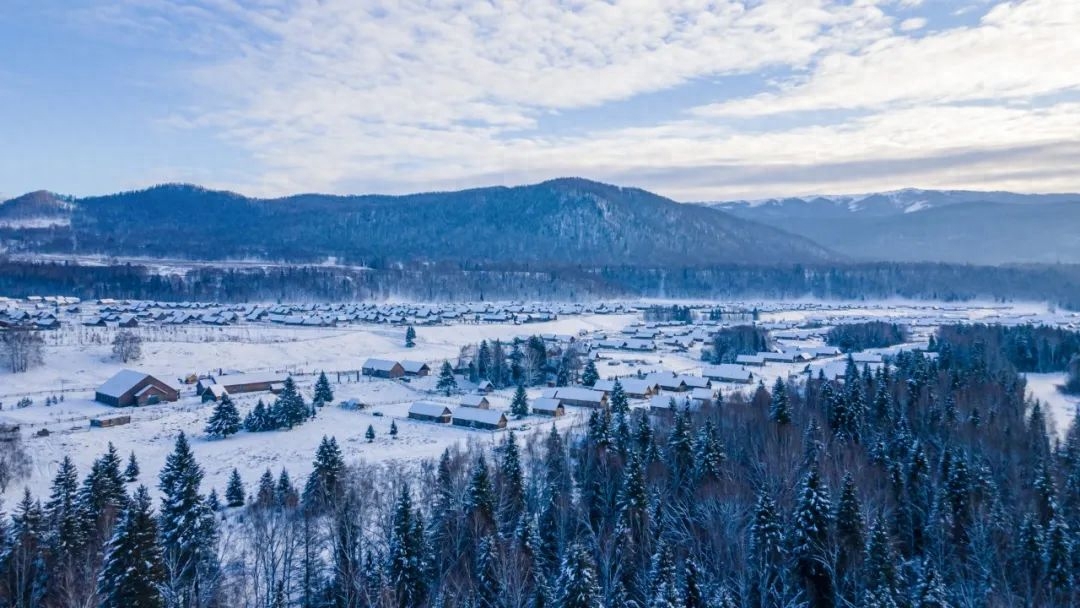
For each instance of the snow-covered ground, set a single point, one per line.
(1060, 408)
(79, 368)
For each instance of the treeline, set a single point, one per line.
(852, 337)
(929, 484)
(730, 342)
(668, 314)
(1024, 348)
(528, 362)
(476, 282)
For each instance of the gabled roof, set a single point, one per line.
(380, 364)
(546, 404)
(727, 371)
(122, 382)
(574, 393)
(413, 367)
(429, 408)
(473, 400)
(473, 414)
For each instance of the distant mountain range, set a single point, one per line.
(912, 225)
(558, 223)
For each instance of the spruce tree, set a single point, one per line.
(370, 434)
(134, 571)
(213, 501)
(480, 496)
(779, 405)
(410, 337)
(324, 395)
(285, 494)
(590, 375)
(225, 420)
(447, 384)
(62, 513)
(519, 405)
(929, 591)
(849, 522)
(22, 560)
(102, 497)
(188, 530)
(264, 496)
(327, 477)
(663, 586)
(131, 473)
(618, 401)
(407, 565)
(258, 419)
(577, 585)
(511, 484)
(810, 539)
(393, 429)
(234, 491)
(289, 409)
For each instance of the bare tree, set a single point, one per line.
(127, 346)
(14, 461)
(21, 349)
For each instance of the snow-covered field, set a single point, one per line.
(78, 359)
(299, 350)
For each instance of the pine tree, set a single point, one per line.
(779, 406)
(134, 572)
(285, 494)
(393, 429)
(512, 484)
(22, 560)
(693, 594)
(663, 592)
(810, 539)
(225, 419)
(407, 566)
(258, 419)
(62, 513)
(289, 409)
(1059, 567)
(327, 477)
(234, 491)
(590, 375)
(324, 395)
(480, 495)
(102, 497)
(213, 501)
(709, 452)
(264, 497)
(618, 401)
(488, 586)
(370, 434)
(410, 337)
(849, 522)
(447, 384)
(188, 529)
(577, 584)
(519, 405)
(131, 473)
(929, 592)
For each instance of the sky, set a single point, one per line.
(694, 99)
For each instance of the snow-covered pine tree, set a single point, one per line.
(488, 585)
(102, 497)
(324, 395)
(810, 539)
(370, 434)
(188, 529)
(519, 405)
(779, 405)
(590, 375)
(213, 501)
(131, 473)
(410, 337)
(511, 485)
(407, 564)
(446, 384)
(63, 515)
(285, 494)
(134, 572)
(709, 451)
(289, 409)
(264, 496)
(577, 585)
(23, 557)
(929, 590)
(619, 403)
(224, 421)
(480, 496)
(663, 586)
(234, 491)
(393, 429)
(327, 475)
(849, 521)
(258, 419)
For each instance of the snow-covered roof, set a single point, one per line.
(727, 371)
(473, 414)
(574, 393)
(429, 408)
(122, 382)
(380, 364)
(473, 400)
(413, 367)
(546, 404)
(251, 378)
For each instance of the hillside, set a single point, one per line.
(930, 225)
(555, 223)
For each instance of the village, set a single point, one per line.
(393, 402)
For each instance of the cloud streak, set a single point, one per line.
(347, 95)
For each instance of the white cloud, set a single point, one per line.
(343, 95)
(912, 24)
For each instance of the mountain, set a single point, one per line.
(563, 222)
(35, 210)
(911, 225)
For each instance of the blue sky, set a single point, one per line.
(696, 99)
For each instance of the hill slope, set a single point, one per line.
(931, 225)
(559, 222)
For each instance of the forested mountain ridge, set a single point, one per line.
(930, 225)
(563, 222)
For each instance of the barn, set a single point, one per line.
(633, 387)
(415, 368)
(382, 368)
(250, 383)
(579, 396)
(130, 388)
(477, 401)
(429, 411)
(548, 406)
(727, 372)
(476, 418)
